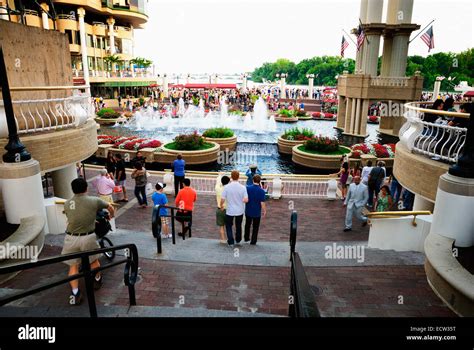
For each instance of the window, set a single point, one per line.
(90, 40)
(70, 36)
(78, 37)
(90, 61)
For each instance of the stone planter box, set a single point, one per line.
(305, 117)
(210, 155)
(286, 146)
(127, 155)
(103, 150)
(317, 161)
(285, 120)
(149, 154)
(106, 121)
(225, 143)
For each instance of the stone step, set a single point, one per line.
(122, 311)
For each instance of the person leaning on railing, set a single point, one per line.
(81, 211)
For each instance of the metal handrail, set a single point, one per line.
(156, 225)
(398, 214)
(129, 277)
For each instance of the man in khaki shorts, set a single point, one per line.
(81, 211)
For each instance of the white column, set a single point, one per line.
(436, 88)
(310, 88)
(62, 179)
(363, 11)
(421, 203)
(44, 16)
(372, 47)
(398, 62)
(244, 85)
(165, 85)
(133, 41)
(386, 56)
(111, 22)
(353, 112)
(282, 87)
(452, 215)
(347, 122)
(363, 117)
(404, 11)
(357, 117)
(392, 8)
(18, 206)
(82, 33)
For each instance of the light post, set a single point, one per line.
(437, 87)
(311, 84)
(282, 77)
(244, 83)
(216, 76)
(188, 77)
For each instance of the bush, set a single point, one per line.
(299, 113)
(285, 113)
(218, 133)
(322, 144)
(108, 113)
(297, 134)
(188, 142)
(377, 150)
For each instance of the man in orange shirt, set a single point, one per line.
(185, 202)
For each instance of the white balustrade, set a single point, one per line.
(389, 81)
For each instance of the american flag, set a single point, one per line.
(428, 38)
(360, 37)
(344, 45)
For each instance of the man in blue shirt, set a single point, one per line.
(251, 172)
(159, 198)
(254, 209)
(178, 168)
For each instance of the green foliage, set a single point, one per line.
(189, 142)
(322, 144)
(108, 113)
(195, 101)
(285, 113)
(141, 101)
(297, 134)
(218, 133)
(141, 62)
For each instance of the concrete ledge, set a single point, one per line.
(447, 277)
(30, 233)
(286, 146)
(418, 173)
(317, 161)
(205, 156)
(285, 120)
(225, 143)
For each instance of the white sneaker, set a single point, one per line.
(170, 236)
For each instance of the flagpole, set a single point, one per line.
(365, 36)
(349, 37)
(421, 31)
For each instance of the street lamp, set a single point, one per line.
(282, 77)
(311, 84)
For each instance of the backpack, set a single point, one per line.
(102, 224)
(374, 179)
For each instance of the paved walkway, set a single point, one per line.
(201, 277)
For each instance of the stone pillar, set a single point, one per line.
(386, 55)
(62, 179)
(347, 122)
(44, 15)
(352, 116)
(372, 47)
(357, 117)
(341, 112)
(22, 190)
(404, 11)
(363, 118)
(111, 22)
(421, 203)
(310, 88)
(165, 86)
(133, 42)
(453, 215)
(282, 87)
(244, 84)
(399, 56)
(82, 33)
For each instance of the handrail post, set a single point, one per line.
(16, 151)
(293, 230)
(173, 231)
(156, 227)
(89, 281)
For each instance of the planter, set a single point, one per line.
(286, 146)
(205, 156)
(225, 143)
(317, 161)
(109, 121)
(285, 119)
(324, 116)
(103, 150)
(126, 154)
(305, 117)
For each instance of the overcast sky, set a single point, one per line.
(230, 36)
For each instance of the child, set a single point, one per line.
(159, 198)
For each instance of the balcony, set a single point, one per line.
(380, 88)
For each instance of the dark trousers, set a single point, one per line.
(140, 193)
(374, 189)
(255, 223)
(229, 222)
(178, 184)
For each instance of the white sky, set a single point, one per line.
(234, 36)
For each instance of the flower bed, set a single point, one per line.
(320, 152)
(132, 143)
(285, 116)
(324, 116)
(193, 147)
(375, 149)
(225, 137)
(292, 137)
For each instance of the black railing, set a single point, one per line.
(302, 302)
(129, 277)
(156, 225)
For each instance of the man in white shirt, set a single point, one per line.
(365, 172)
(356, 199)
(235, 196)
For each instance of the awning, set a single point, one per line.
(210, 86)
(124, 83)
(469, 94)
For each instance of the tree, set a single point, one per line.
(113, 61)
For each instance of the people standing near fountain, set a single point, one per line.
(120, 176)
(235, 195)
(139, 174)
(178, 168)
(357, 197)
(185, 202)
(343, 176)
(139, 158)
(110, 164)
(159, 198)
(221, 210)
(251, 172)
(254, 209)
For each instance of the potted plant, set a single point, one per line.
(292, 137)
(320, 152)
(285, 116)
(193, 147)
(225, 137)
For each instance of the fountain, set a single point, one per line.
(181, 107)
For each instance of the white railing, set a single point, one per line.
(437, 140)
(39, 115)
(389, 81)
